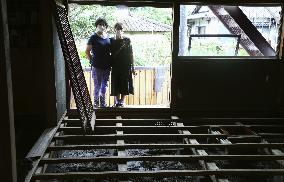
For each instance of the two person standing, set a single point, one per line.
(107, 54)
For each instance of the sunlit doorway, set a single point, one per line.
(150, 31)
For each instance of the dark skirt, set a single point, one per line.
(121, 82)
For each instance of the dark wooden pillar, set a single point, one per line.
(175, 49)
(7, 132)
(48, 63)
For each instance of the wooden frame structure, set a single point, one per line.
(240, 142)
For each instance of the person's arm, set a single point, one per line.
(88, 53)
(89, 47)
(132, 63)
(131, 58)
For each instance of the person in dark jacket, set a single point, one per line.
(98, 53)
(122, 66)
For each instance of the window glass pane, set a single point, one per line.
(217, 31)
(266, 20)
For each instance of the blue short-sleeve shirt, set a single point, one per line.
(100, 51)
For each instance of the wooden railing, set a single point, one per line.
(151, 87)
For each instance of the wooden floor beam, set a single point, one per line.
(166, 146)
(161, 173)
(123, 158)
(140, 137)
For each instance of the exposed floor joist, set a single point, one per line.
(233, 141)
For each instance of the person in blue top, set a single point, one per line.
(98, 53)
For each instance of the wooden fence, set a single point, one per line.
(151, 87)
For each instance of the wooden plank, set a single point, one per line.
(161, 173)
(165, 91)
(212, 166)
(226, 141)
(166, 146)
(192, 141)
(142, 88)
(146, 88)
(136, 88)
(201, 155)
(202, 162)
(246, 139)
(192, 123)
(223, 121)
(134, 129)
(112, 120)
(153, 94)
(41, 144)
(37, 161)
(134, 123)
(32, 171)
(271, 135)
(223, 180)
(135, 137)
(146, 122)
(197, 128)
(121, 153)
(121, 166)
(168, 87)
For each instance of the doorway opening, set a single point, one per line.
(150, 32)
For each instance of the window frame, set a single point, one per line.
(176, 34)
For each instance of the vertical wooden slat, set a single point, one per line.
(142, 84)
(139, 88)
(147, 90)
(169, 86)
(136, 88)
(151, 88)
(146, 86)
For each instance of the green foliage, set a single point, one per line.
(162, 15)
(207, 47)
(242, 52)
(82, 18)
(153, 50)
(156, 51)
(84, 60)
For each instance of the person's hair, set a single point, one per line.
(101, 21)
(118, 26)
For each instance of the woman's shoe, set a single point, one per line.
(120, 105)
(116, 105)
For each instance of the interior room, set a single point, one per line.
(217, 115)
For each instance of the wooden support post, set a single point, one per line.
(121, 153)
(8, 170)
